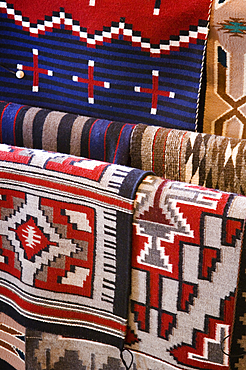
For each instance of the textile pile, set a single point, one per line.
(122, 185)
(67, 249)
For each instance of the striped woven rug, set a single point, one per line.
(88, 137)
(116, 60)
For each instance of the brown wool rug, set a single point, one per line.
(202, 159)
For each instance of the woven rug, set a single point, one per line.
(51, 352)
(119, 61)
(38, 128)
(12, 344)
(225, 97)
(185, 261)
(186, 250)
(65, 234)
(208, 160)
(238, 346)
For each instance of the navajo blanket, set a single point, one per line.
(238, 346)
(185, 262)
(202, 159)
(65, 234)
(225, 95)
(114, 60)
(38, 128)
(186, 250)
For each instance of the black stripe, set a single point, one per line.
(106, 75)
(157, 4)
(84, 144)
(111, 139)
(110, 93)
(37, 130)
(64, 133)
(84, 55)
(19, 125)
(112, 45)
(102, 113)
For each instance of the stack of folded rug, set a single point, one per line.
(72, 229)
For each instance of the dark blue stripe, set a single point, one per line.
(8, 119)
(123, 148)
(97, 133)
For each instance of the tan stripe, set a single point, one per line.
(50, 130)
(8, 341)
(183, 155)
(172, 154)
(146, 147)
(76, 133)
(27, 130)
(158, 150)
(12, 359)
(186, 164)
(135, 145)
(8, 321)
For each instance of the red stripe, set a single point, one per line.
(106, 199)
(60, 313)
(104, 141)
(91, 82)
(1, 122)
(155, 91)
(89, 139)
(16, 115)
(118, 142)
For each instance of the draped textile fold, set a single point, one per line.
(186, 247)
(65, 234)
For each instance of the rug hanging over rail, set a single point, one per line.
(37, 128)
(212, 161)
(114, 60)
(187, 242)
(65, 233)
(225, 112)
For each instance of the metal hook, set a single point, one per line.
(228, 354)
(19, 74)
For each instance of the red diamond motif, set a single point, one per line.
(32, 238)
